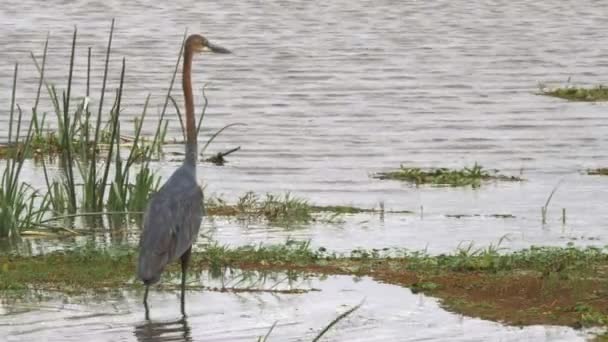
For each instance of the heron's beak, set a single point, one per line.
(217, 49)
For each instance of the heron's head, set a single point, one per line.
(199, 44)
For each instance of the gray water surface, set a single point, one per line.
(332, 92)
(388, 313)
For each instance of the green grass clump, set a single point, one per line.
(602, 171)
(283, 209)
(277, 209)
(571, 93)
(545, 260)
(466, 176)
(286, 209)
(292, 252)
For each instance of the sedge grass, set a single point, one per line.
(82, 186)
(21, 206)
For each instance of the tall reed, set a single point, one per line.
(21, 206)
(94, 178)
(120, 192)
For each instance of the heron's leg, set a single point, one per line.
(185, 260)
(146, 303)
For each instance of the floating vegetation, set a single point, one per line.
(466, 176)
(284, 209)
(602, 171)
(345, 209)
(573, 93)
(540, 285)
(498, 216)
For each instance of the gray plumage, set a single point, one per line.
(171, 223)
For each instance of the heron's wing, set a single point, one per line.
(190, 211)
(172, 221)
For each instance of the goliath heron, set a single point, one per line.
(174, 214)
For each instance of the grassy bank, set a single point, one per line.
(564, 286)
(474, 176)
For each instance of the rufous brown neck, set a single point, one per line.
(191, 136)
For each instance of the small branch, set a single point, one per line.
(218, 159)
(336, 320)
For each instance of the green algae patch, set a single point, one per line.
(547, 285)
(473, 176)
(581, 94)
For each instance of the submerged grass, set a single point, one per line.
(473, 176)
(540, 285)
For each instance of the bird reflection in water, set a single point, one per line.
(177, 330)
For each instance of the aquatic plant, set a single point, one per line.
(278, 209)
(86, 152)
(543, 209)
(473, 176)
(574, 93)
(284, 209)
(601, 171)
(21, 206)
(99, 191)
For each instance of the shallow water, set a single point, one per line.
(388, 313)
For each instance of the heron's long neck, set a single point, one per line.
(191, 138)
